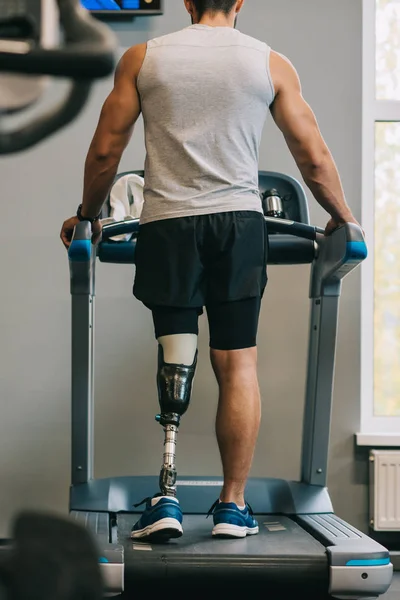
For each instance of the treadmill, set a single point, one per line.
(303, 547)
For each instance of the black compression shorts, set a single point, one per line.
(232, 325)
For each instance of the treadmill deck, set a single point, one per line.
(281, 551)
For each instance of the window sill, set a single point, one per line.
(373, 440)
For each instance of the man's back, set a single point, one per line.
(205, 93)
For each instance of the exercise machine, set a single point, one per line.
(30, 52)
(302, 545)
(49, 557)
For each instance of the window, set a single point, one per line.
(381, 218)
(387, 48)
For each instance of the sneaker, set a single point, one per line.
(160, 521)
(230, 521)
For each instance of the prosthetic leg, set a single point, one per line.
(174, 382)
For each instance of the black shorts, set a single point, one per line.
(191, 262)
(218, 261)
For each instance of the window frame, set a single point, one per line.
(373, 111)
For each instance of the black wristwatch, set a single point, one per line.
(90, 219)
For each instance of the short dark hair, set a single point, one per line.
(203, 6)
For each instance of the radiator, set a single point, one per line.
(385, 490)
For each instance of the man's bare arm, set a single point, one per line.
(299, 126)
(114, 130)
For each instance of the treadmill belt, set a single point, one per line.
(282, 553)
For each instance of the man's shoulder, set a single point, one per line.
(168, 39)
(132, 60)
(181, 36)
(253, 42)
(136, 51)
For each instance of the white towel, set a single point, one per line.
(126, 202)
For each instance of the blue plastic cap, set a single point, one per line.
(372, 562)
(80, 251)
(356, 252)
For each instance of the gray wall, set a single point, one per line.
(43, 186)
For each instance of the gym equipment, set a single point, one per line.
(51, 558)
(87, 55)
(302, 545)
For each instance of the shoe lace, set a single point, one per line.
(250, 509)
(211, 511)
(146, 500)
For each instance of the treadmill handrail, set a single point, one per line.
(288, 227)
(82, 257)
(301, 230)
(82, 232)
(120, 228)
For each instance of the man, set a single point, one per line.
(205, 93)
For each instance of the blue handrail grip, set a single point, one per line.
(80, 251)
(369, 562)
(117, 252)
(356, 251)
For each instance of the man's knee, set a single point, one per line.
(234, 364)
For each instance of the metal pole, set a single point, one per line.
(82, 369)
(168, 473)
(319, 389)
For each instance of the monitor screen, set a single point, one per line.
(139, 6)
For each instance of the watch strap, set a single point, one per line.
(90, 219)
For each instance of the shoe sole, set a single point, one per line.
(161, 531)
(225, 530)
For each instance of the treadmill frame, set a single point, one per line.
(359, 567)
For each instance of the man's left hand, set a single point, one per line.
(68, 227)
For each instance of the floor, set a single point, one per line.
(394, 592)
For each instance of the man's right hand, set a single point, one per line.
(334, 224)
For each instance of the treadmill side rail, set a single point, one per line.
(359, 567)
(82, 263)
(338, 255)
(113, 576)
(111, 556)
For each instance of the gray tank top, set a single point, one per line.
(205, 93)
